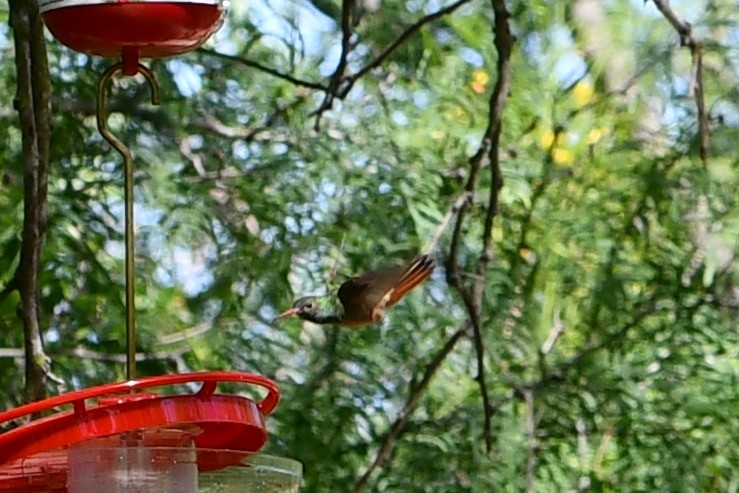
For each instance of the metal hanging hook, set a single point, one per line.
(102, 121)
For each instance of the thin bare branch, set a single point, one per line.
(389, 49)
(532, 443)
(262, 68)
(189, 333)
(602, 448)
(174, 355)
(121, 358)
(340, 85)
(558, 328)
(462, 199)
(12, 352)
(700, 103)
(90, 354)
(583, 452)
(347, 30)
(685, 31)
(195, 158)
(488, 154)
(210, 122)
(257, 131)
(410, 405)
(554, 333)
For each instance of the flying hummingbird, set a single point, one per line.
(362, 300)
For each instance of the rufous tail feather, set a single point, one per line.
(417, 273)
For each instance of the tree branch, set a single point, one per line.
(33, 102)
(173, 354)
(340, 85)
(504, 46)
(532, 443)
(347, 14)
(183, 335)
(410, 405)
(696, 80)
(262, 68)
(389, 49)
(558, 328)
(583, 482)
(461, 200)
(488, 154)
(91, 354)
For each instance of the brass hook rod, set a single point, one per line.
(102, 121)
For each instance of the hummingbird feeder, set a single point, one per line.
(125, 436)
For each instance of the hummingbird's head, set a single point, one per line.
(305, 308)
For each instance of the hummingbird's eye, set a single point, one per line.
(310, 305)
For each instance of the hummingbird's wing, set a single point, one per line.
(366, 297)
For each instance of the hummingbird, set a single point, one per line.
(362, 300)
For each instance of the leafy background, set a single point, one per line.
(606, 328)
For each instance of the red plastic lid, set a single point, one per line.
(144, 28)
(220, 421)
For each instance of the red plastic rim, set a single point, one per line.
(219, 421)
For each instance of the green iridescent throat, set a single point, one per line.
(329, 310)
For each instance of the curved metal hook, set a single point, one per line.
(102, 116)
(102, 121)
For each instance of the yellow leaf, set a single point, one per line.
(546, 140)
(477, 87)
(480, 76)
(583, 93)
(561, 155)
(595, 135)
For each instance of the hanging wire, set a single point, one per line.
(102, 121)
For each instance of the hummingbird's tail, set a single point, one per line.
(417, 272)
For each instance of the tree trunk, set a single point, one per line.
(32, 101)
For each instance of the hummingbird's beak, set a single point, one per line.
(286, 313)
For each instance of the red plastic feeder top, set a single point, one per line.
(184, 434)
(222, 421)
(143, 28)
